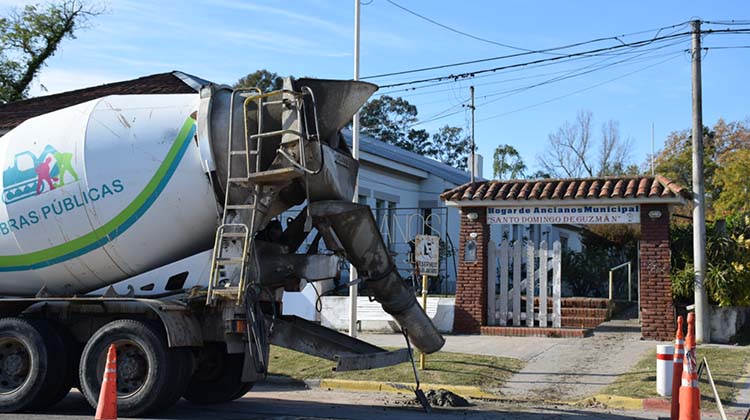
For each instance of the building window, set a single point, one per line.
(385, 217)
(427, 222)
(362, 199)
(564, 241)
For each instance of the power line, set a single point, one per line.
(533, 66)
(731, 22)
(407, 89)
(576, 91)
(502, 57)
(570, 74)
(726, 47)
(468, 35)
(590, 53)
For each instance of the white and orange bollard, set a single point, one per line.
(106, 409)
(679, 359)
(664, 362)
(690, 394)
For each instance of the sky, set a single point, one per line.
(223, 40)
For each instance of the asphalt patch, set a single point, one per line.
(443, 397)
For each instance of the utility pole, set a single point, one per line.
(473, 162)
(702, 329)
(353, 289)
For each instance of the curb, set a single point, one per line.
(630, 403)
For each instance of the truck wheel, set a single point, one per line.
(29, 366)
(181, 370)
(218, 378)
(246, 387)
(143, 365)
(64, 356)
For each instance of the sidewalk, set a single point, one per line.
(556, 368)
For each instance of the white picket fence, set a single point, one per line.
(505, 304)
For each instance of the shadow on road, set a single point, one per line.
(304, 405)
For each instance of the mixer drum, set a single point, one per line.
(102, 191)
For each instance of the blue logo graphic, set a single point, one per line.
(31, 175)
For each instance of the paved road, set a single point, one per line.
(274, 402)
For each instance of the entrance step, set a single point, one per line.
(536, 332)
(581, 322)
(600, 313)
(578, 302)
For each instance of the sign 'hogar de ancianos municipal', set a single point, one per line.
(583, 215)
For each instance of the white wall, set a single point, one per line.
(335, 315)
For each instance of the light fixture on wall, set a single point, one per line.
(654, 214)
(472, 216)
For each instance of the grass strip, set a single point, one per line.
(486, 372)
(728, 365)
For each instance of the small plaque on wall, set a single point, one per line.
(470, 251)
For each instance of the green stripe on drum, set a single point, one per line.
(115, 227)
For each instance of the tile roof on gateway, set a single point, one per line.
(646, 188)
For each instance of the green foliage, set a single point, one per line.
(451, 147)
(725, 163)
(391, 119)
(263, 79)
(727, 281)
(28, 37)
(388, 119)
(507, 163)
(732, 178)
(587, 272)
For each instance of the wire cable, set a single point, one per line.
(521, 54)
(528, 63)
(575, 92)
(468, 35)
(590, 53)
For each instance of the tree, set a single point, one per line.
(573, 152)
(507, 163)
(720, 144)
(452, 147)
(675, 161)
(732, 178)
(389, 119)
(28, 37)
(539, 174)
(263, 79)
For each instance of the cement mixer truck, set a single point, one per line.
(154, 223)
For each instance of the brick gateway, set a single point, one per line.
(654, 197)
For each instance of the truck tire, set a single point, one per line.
(64, 357)
(179, 376)
(218, 378)
(30, 366)
(143, 365)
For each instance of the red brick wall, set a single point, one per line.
(657, 312)
(471, 284)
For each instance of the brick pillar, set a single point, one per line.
(471, 284)
(657, 310)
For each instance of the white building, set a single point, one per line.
(403, 190)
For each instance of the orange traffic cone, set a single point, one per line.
(679, 355)
(107, 407)
(690, 394)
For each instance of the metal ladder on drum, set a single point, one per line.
(249, 177)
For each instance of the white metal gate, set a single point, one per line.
(504, 300)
